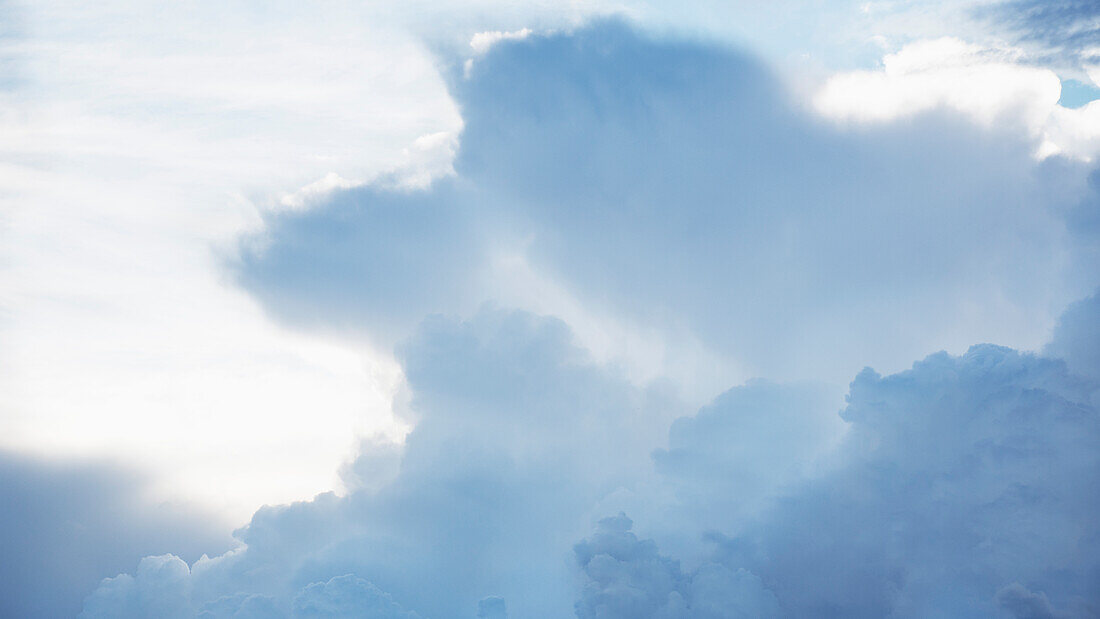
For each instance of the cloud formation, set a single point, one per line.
(676, 185)
(518, 436)
(958, 483)
(963, 475)
(1077, 337)
(993, 86)
(627, 577)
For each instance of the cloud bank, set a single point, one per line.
(676, 185)
(965, 486)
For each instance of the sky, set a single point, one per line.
(550, 309)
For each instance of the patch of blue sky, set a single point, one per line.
(1077, 94)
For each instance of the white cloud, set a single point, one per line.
(988, 85)
(140, 142)
(482, 41)
(520, 438)
(317, 190)
(982, 83)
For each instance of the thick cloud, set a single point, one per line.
(162, 587)
(964, 486)
(347, 596)
(672, 183)
(519, 434)
(65, 525)
(737, 454)
(626, 577)
(383, 258)
(677, 186)
(1077, 338)
(963, 476)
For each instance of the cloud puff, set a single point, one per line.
(626, 577)
(1024, 604)
(990, 85)
(676, 186)
(1077, 337)
(347, 596)
(729, 460)
(161, 587)
(65, 525)
(963, 475)
(492, 607)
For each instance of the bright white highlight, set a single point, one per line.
(987, 85)
(482, 41)
(135, 152)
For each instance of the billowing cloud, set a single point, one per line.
(677, 187)
(992, 86)
(627, 577)
(731, 460)
(518, 436)
(1077, 337)
(964, 485)
(347, 596)
(963, 476)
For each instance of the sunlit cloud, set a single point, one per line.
(456, 309)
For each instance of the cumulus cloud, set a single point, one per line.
(676, 186)
(518, 436)
(161, 587)
(964, 475)
(1077, 337)
(674, 183)
(732, 459)
(347, 596)
(992, 86)
(626, 577)
(953, 481)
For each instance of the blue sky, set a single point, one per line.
(624, 309)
